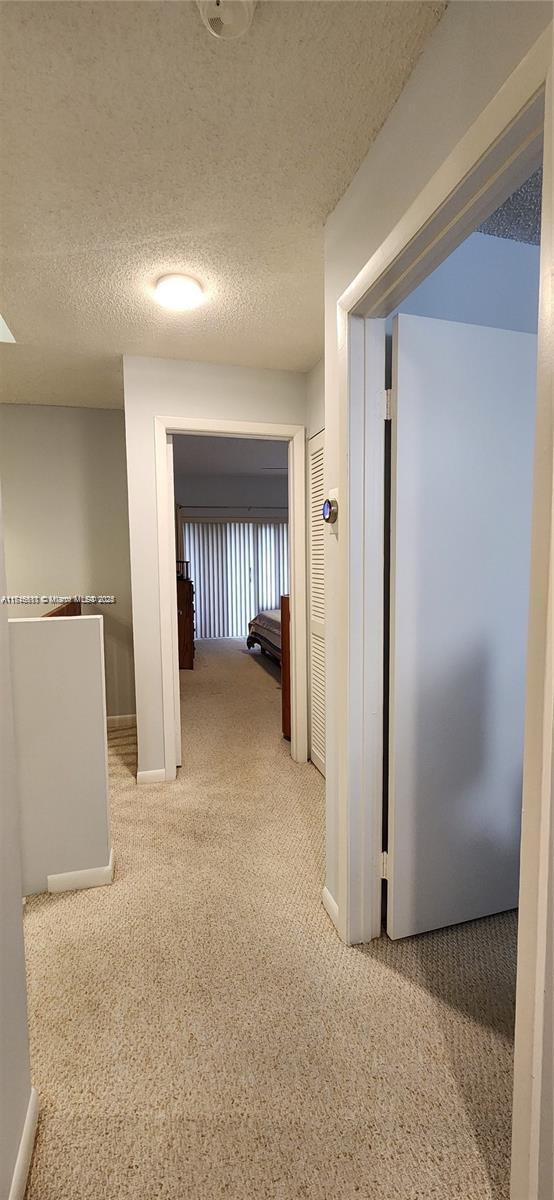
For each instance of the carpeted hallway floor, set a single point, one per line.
(199, 1031)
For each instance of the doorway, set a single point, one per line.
(294, 438)
(495, 158)
(462, 420)
(232, 551)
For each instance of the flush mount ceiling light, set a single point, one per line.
(227, 19)
(179, 292)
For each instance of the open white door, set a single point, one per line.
(462, 455)
(316, 496)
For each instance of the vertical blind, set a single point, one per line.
(238, 569)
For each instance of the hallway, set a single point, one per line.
(198, 1030)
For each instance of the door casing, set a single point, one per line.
(295, 436)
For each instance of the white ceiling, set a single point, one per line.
(134, 143)
(195, 455)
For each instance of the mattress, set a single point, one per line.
(269, 624)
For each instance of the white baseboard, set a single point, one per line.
(72, 881)
(123, 721)
(317, 762)
(331, 907)
(25, 1152)
(158, 776)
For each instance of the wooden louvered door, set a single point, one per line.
(317, 601)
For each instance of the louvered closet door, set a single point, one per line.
(317, 601)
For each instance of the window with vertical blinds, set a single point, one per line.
(238, 569)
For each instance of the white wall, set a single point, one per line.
(164, 387)
(486, 281)
(66, 520)
(315, 399)
(470, 54)
(15, 1078)
(60, 745)
(227, 496)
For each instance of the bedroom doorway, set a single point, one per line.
(292, 439)
(491, 163)
(232, 556)
(461, 366)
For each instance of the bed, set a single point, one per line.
(270, 630)
(265, 631)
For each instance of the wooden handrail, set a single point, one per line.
(71, 609)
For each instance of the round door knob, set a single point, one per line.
(330, 511)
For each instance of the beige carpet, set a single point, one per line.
(198, 1030)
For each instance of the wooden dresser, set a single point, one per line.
(185, 623)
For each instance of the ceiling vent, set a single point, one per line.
(227, 19)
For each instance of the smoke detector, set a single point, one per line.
(227, 19)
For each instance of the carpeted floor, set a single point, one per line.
(199, 1031)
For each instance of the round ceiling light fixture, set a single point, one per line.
(227, 19)
(179, 293)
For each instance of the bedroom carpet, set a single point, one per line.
(199, 1031)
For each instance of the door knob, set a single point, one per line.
(330, 511)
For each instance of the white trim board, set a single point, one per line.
(156, 776)
(72, 881)
(172, 553)
(122, 721)
(330, 906)
(25, 1152)
(295, 435)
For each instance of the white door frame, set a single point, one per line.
(295, 435)
(171, 538)
(495, 156)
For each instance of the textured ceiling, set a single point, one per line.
(133, 143)
(519, 218)
(228, 456)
